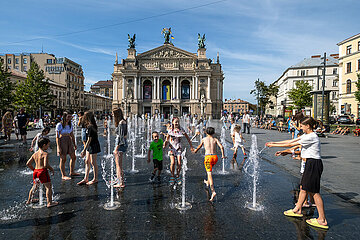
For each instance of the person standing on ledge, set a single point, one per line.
(310, 180)
(65, 142)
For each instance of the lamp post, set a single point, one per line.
(125, 107)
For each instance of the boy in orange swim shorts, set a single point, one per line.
(209, 143)
(40, 157)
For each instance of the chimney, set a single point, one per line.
(316, 56)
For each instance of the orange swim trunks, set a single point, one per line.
(210, 161)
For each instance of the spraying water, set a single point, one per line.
(41, 195)
(252, 169)
(111, 205)
(223, 142)
(183, 205)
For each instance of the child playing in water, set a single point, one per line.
(197, 130)
(175, 133)
(157, 147)
(34, 144)
(209, 143)
(41, 171)
(310, 180)
(238, 139)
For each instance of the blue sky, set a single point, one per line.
(255, 39)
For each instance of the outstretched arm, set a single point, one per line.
(286, 143)
(188, 139)
(198, 148)
(287, 151)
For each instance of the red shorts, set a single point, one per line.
(210, 161)
(42, 175)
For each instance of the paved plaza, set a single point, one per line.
(147, 210)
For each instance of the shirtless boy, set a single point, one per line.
(209, 143)
(41, 160)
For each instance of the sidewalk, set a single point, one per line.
(340, 155)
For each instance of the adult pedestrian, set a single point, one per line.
(66, 145)
(23, 120)
(7, 121)
(246, 122)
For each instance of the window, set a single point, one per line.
(17, 67)
(358, 64)
(307, 72)
(25, 69)
(348, 67)
(358, 45)
(348, 50)
(358, 110)
(9, 60)
(348, 86)
(16, 60)
(25, 60)
(335, 71)
(333, 95)
(302, 72)
(335, 83)
(49, 61)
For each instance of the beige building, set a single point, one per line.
(97, 103)
(349, 65)
(309, 70)
(104, 88)
(236, 105)
(168, 80)
(62, 71)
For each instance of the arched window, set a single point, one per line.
(348, 86)
(185, 89)
(147, 90)
(166, 90)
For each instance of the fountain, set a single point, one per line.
(41, 195)
(253, 163)
(183, 205)
(143, 150)
(132, 140)
(223, 142)
(111, 205)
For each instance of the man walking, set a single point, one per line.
(23, 121)
(246, 122)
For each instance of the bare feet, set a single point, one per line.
(82, 182)
(206, 182)
(65, 178)
(92, 182)
(74, 174)
(52, 204)
(212, 196)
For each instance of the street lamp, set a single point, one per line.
(125, 107)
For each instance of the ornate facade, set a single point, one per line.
(168, 80)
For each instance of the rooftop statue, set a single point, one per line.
(201, 41)
(167, 35)
(131, 41)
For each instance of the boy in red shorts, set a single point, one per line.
(41, 160)
(209, 143)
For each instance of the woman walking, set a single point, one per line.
(91, 148)
(65, 142)
(120, 149)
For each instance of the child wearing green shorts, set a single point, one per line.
(157, 147)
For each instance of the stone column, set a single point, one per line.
(115, 90)
(192, 87)
(154, 89)
(123, 88)
(158, 88)
(178, 90)
(135, 88)
(208, 90)
(196, 87)
(173, 88)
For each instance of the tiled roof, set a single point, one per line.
(315, 62)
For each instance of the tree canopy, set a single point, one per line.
(35, 91)
(263, 93)
(357, 92)
(6, 89)
(300, 95)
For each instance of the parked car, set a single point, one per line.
(358, 121)
(345, 119)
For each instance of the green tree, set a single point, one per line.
(6, 89)
(263, 93)
(35, 91)
(301, 95)
(357, 92)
